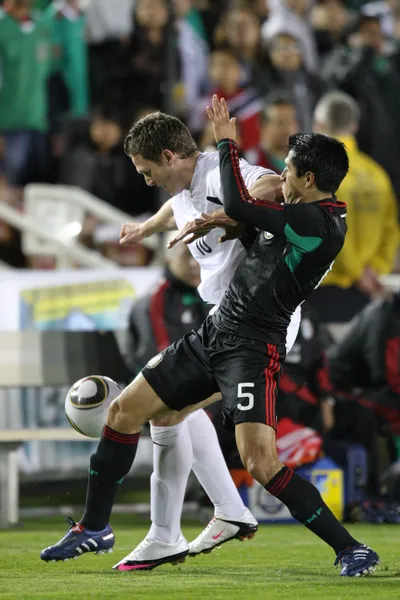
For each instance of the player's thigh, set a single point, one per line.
(137, 404)
(176, 417)
(248, 377)
(181, 375)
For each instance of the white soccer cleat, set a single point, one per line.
(152, 553)
(221, 529)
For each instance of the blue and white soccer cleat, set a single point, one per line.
(79, 540)
(357, 561)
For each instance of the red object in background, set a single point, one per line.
(246, 106)
(263, 161)
(297, 445)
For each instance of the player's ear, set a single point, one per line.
(168, 156)
(309, 179)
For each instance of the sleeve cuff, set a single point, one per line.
(225, 141)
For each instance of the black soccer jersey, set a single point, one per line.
(293, 252)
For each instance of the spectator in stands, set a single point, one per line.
(366, 360)
(109, 26)
(96, 162)
(330, 20)
(143, 72)
(169, 312)
(388, 12)
(279, 121)
(261, 8)
(293, 15)
(193, 52)
(226, 74)
(210, 13)
(144, 65)
(365, 365)
(70, 78)
(286, 73)
(25, 61)
(372, 236)
(362, 69)
(306, 397)
(240, 29)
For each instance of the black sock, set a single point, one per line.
(108, 466)
(306, 505)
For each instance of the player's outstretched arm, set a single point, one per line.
(238, 203)
(163, 220)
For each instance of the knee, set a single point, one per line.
(122, 420)
(261, 465)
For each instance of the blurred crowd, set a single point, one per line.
(76, 73)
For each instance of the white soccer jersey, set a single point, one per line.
(218, 262)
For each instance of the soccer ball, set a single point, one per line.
(87, 402)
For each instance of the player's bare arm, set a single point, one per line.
(134, 232)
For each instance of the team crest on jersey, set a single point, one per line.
(268, 235)
(153, 362)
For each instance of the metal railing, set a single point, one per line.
(75, 251)
(86, 201)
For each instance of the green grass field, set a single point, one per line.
(281, 562)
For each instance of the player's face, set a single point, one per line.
(293, 186)
(159, 174)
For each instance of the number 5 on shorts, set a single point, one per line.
(248, 395)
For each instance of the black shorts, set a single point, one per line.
(207, 361)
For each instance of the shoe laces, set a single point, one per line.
(350, 552)
(70, 521)
(210, 524)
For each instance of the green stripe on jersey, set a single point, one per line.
(300, 245)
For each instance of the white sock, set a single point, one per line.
(172, 462)
(210, 467)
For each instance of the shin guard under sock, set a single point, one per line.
(110, 463)
(307, 506)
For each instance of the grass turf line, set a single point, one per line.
(281, 562)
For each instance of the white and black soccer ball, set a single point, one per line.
(87, 402)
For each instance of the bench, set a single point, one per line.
(10, 441)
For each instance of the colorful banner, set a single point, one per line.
(83, 300)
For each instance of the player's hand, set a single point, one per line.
(132, 233)
(201, 226)
(218, 113)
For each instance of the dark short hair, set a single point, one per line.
(157, 132)
(365, 19)
(275, 100)
(226, 48)
(324, 156)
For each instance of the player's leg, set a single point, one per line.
(111, 461)
(255, 420)
(248, 377)
(176, 443)
(256, 443)
(172, 453)
(232, 520)
(172, 463)
(137, 404)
